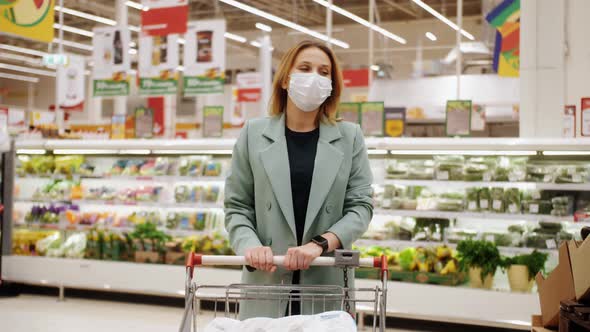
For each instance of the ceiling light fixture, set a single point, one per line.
(375, 67)
(255, 43)
(87, 16)
(22, 58)
(263, 27)
(22, 50)
(27, 70)
(361, 21)
(235, 37)
(431, 36)
(442, 18)
(29, 79)
(81, 46)
(134, 4)
(284, 22)
(74, 30)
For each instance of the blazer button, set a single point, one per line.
(329, 208)
(268, 206)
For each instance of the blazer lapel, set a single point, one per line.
(275, 160)
(327, 163)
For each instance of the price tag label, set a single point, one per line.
(490, 238)
(534, 208)
(487, 176)
(513, 208)
(551, 244)
(472, 206)
(497, 205)
(442, 175)
(536, 194)
(484, 204)
(547, 178)
(577, 178)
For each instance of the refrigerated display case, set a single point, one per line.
(87, 204)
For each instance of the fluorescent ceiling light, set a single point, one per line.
(442, 18)
(255, 43)
(134, 4)
(375, 67)
(566, 153)
(27, 70)
(234, 37)
(81, 46)
(376, 152)
(468, 152)
(87, 16)
(22, 50)
(284, 22)
(30, 151)
(29, 79)
(180, 68)
(138, 151)
(74, 30)
(26, 59)
(431, 36)
(132, 51)
(134, 28)
(181, 41)
(132, 44)
(263, 27)
(361, 21)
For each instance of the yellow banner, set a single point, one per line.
(31, 19)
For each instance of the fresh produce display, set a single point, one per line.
(200, 193)
(55, 190)
(49, 165)
(199, 221)
(142, 167)
(497, 198)
(42, 214)
(572, 174)
(512, 200)
(479, 168)
(562, 205)
(540, 172)
(479, 254)
(24, 241)
(451, 201)
(449, 167)
(485, 199)
(535, 262)
(191, 166)
(209, 244)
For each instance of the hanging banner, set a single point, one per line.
(458, 121)
(394, 121)
(505, 17)
(31, 19)
(372, 118)
(158, 65)
(249, 87)
(111, 62)
(350, 112)
(569, 122)
(71, 84)
(164, 17)
(204, 57)
(212, 121)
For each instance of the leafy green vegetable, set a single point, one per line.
(406, 257)
(482, 254)
(535, 262)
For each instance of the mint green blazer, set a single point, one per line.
(259, 206)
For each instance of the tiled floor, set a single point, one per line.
(34, 313)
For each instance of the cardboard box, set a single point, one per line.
(147, 257)
(559, 286)
(580, 261)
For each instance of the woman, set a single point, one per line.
(300, 181)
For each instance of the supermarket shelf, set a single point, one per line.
(474, 215)
(85, 228)
(164, 178)
(207, 145)
(397, 244)
(154, 205)
(476, 184)
(502, 309)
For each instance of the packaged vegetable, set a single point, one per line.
(421, 170)
(537, 172)
(191, 166)
(449, 168)
(512, 200)
(497, 200)
(397, 170)
(472, 199)
(485, 199)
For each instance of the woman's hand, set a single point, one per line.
(260, 258)
(299, 258)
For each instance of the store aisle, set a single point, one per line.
(35, 313)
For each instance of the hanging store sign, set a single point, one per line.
(394, 121)
(458, 121)
(111, 62)
(31, 19)
(372, 118)
(71, 84)
(158, 65)
(569, 122)
(355, 77)
(164, 17)
(204, 57)
(350, 112)
(585, 116)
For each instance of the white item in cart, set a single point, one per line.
(331, 321)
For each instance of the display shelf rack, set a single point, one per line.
(473, 215)
(164, 178)
(153, 205)
(477, 184)
(86, 228)
(404, 300)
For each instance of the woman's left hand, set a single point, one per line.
(299, 258)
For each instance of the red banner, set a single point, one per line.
(157, 104)
(251, 95)
(356, 77)
(164, 21)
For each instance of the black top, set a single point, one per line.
(302, 149)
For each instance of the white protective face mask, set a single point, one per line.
(309, 90)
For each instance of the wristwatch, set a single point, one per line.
(322, 242)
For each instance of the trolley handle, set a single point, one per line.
(195, 259)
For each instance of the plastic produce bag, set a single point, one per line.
(449, 168)
(331, 321)
(52, 241)
(75, 246)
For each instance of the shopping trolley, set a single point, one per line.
(227, 298)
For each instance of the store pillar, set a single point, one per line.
(265, 71)
(554, 64)
(120, 103)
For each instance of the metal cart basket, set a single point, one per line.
(226, 299)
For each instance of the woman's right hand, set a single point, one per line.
(260, 258)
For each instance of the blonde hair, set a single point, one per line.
(278, 101)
